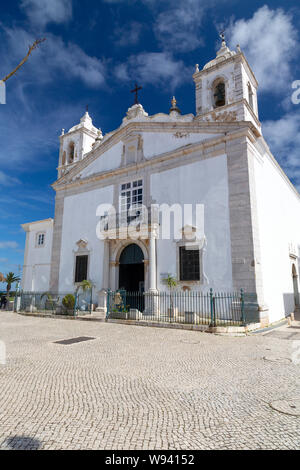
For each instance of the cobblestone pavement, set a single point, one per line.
(143, 388)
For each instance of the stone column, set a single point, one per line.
(113, 275)
(151, 297)
(152, 264)
(106, 266)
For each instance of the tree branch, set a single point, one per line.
(31, 48)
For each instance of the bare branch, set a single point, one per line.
(30, 49)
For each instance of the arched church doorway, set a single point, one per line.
(131, 269)
(295, 285)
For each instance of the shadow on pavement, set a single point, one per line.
(21, 443)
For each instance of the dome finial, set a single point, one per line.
(174, 106)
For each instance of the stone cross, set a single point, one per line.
(135, 90)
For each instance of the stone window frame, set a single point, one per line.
(130, 180)
(82, 250)
(214, 83)
(187, 243)
(37, 238)
(71, 145)
(250, 96)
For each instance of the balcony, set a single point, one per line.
(133, 223)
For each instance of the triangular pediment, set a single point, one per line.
(141, 142)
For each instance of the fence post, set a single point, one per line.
(107, 304)
(75, 304)
(243, 308)
(212, 308)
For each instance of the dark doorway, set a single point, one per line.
(131, 276)
(131, 269)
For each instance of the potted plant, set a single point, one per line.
(171, 283)
(50, 303)
(69, 303)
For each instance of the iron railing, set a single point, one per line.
(55, 303)
(189, 307)
(192, 307)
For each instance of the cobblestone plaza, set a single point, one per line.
(134, 387)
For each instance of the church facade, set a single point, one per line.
(237, 215)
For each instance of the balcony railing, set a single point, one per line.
(134, 217)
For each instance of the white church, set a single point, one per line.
(216, 158)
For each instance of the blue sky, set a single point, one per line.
(94, 52)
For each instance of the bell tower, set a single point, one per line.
(76, 143)
(226, 88)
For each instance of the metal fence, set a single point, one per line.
(55, 303)
(192, 307)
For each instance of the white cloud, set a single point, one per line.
(9, 245)
(7, 180)
(154, 68)
(129, 34)
(178, 27)
(283, 136)
(52, 59)
(41, 12)
(269, 41)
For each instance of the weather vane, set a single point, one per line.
(135, 90)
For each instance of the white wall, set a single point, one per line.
(108, 161)
(36, 270)
(79, 222)
(279, 225)
(204, 182)
(158, 143)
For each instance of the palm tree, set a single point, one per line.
(10, 278)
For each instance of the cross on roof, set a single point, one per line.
(135, 90)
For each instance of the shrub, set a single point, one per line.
(69, 301)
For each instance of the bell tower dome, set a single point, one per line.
(226, 88)
(76, 143)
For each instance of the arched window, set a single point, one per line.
(63, 160)
(250, 95)
(219, 94)
(71, 152)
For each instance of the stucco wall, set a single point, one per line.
(158, 143)
(279, 225)
(79, 222)
(203, 182)
(108, 161)
(36, 270)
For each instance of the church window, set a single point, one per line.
(189, 261)
(219, 94)
(250, 95)
(71, 152)
(81, 268)
(131, 195)
(40, 239)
